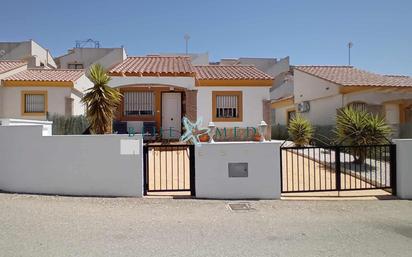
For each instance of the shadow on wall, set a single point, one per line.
(405, 130)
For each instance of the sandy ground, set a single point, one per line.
(75, 226)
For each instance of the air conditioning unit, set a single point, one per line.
(303, 106)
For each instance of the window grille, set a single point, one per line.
(34, 103)
(227, 106)
(138, 103)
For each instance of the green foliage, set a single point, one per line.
(101, 101)
(300, 130)
(63, 125)
(355, 127)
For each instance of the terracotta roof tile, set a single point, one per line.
(46, 75)
(350, 76)
(154, 66)
(230, 72)
(6, 66)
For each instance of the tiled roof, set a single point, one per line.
(154, 66)
(230, 72)
(6, 66)
(46, 75)
(350, 76)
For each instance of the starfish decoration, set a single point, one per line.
(193, 131)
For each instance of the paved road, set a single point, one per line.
(65, 226)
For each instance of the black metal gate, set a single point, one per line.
(169, 168)
(338, 168)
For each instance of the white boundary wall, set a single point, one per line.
(403, 168)
(70, 165)
(212, 176)
(46, 125)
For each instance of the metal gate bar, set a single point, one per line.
(169, 168)
(338, 168)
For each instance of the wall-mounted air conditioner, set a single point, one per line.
(304, 106)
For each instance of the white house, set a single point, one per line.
(317, 92)
(34, 54)
(83, 58)
(159, 90)
(27, 93)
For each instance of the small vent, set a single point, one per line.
(239, 206)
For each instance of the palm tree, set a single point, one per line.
(101, 101)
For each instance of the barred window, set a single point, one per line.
(358, 106)
(139, 103)
(34, 102)
(227, 105)
(75, 66)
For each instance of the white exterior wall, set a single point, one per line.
(46, 125)
(404, 168)
(12, 101)
(183, 82)
(212, 176)
(68, 165)
(252, 105)
(281, 116)
(107, 57)
(308, 87)
(323, 111)
(5, 75)
(42, 55)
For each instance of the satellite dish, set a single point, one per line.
(2, 53)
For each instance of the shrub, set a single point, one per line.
(64, 125)
(300, 130)
(354, 127)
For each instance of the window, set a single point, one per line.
(290, 115)
(358, 106)
(75, 66)
(68, 106)
(227, 105)
(139, 103)
(34, 102)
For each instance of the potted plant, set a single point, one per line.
(204, 138)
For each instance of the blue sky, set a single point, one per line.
(310, 32)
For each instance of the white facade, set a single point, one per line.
(404, 170)
(106, 57)
(253, 98)
(183, 82)
(11, 99)
(101, 165)
(325, 98)
(30, 51)
(263, 178)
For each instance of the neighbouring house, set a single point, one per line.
(83, 58)
(159, 90)
(28, 93)
(34, 54)
(318, 92)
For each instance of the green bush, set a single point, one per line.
(300, 130)
(280, 132)
(68, 125)
(354, 127)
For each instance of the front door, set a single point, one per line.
(171, 115)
